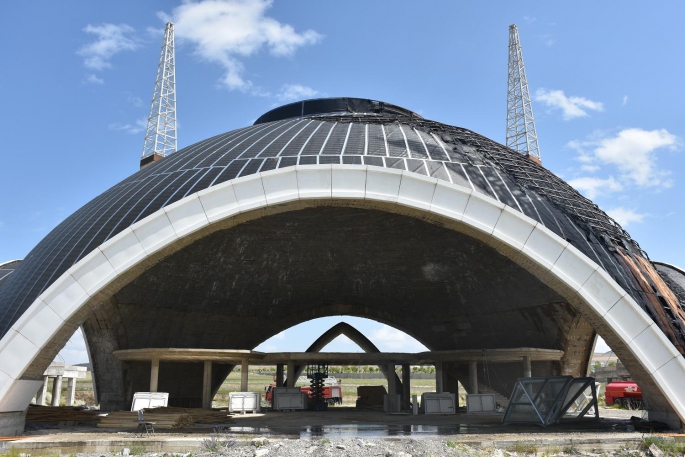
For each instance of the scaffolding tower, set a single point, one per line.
(160, 135)
(521, 135)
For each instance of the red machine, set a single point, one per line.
(332, 394)
(624, 393)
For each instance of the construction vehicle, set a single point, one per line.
(332, 392)
(624, 393)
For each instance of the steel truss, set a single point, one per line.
(160, 135)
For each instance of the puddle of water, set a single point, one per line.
(364, 431)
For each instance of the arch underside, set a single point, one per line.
(237, 287)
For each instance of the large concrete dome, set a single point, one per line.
(525, 261)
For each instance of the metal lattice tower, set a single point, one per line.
(160, 135)
(521, 135)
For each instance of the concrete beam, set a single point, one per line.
(406, 386)
(56, 391)
(244, 373)
(527, 369)
(473, 376)
(392, 384)
(154, 374)
(71, 391)
(439, 377)
(291, 374)
(43, 392)
(207, 385)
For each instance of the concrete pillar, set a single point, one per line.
(439, 378)
(473, 376)
(279, 375)
(56, 390)
(406, 386)
(154, 374)
(291, 374)
(244, 371)
(207, 385)
(392, 385)
(71, 391)
(43, 392)
(527, 370)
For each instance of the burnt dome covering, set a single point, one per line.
(361, 132)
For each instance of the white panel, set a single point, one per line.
(671, 378)
(38, 323)
(186, 215)
(154, 232)
(513, 227)
(123, 251)
(450, 200)
(383, 184)
(19, 395)
(574, 267)
(93, 271)
(280, 185)
(654, 348)
(601, 290)
(349, 181)
(416, 190)
(626, 317)
(482, 212)
(219, 201)
(64, 296)
(249, 192)
(16, 352)
(544, 246)
(314, 181)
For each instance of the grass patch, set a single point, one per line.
(11, 452)
(523, 448)
(669, 447)
(451, 444)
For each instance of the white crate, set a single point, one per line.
(438, 403)
(145, 400)
(242, 402)
(289, 398)
(480, 403)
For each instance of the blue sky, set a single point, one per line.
(606, 81)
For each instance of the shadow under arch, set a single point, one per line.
(343, 328)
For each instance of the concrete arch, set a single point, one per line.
(343, 328)
(650, 356)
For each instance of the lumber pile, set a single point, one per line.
(74, 414)
(165, 418)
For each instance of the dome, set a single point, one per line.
(525, 261)
(337, 131)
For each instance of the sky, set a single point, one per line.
(605, 81)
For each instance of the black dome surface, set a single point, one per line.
(343, 131)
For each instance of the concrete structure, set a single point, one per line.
(58, 372)
(331, 207)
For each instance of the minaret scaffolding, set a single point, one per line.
(521, 134)
(160, 135)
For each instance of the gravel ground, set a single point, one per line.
(354, 447)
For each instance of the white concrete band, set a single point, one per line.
(68, 294)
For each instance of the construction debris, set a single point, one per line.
(166, 418)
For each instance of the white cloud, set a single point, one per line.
(571, 107)
(75, 350)
(625, 216)
(111, 39)
(224, 31)
(92, 79)
(292, 92)
(530, 19)
(133, 129)
(390, 339)
(625, 100)
(591, 187)
(279, 336)
(135, 101)
(2, 224)
(631, 152)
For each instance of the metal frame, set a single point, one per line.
(160, 135)
(521, 135)
(557, 408)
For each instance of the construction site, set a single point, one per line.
(342, 207)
